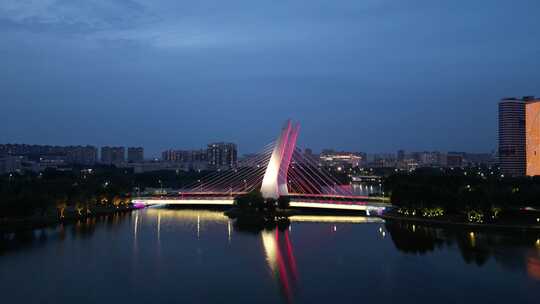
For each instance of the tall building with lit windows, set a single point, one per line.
(222, 155)
(519, 136)
(512, 156)
(532, 130)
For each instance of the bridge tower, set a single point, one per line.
(274, 182)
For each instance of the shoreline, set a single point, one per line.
(460, 224)
(14, 225)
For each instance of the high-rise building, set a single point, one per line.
(185, 156)
(455, 159)
(400, 155)
(80, 155)
(113, 155)
(532, 130)
(512, 141)
(135, 154)
(169, 155)
(222, 155)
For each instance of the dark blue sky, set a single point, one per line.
(369, 75)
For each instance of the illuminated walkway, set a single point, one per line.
(229, 201)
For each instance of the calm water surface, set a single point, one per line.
(194, 256)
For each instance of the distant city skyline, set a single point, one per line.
(374, 75)
(158, 154)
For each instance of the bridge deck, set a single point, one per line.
(311, 202)
(204, 195)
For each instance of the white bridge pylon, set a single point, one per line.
(274, 182)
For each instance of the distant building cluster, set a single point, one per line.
(438, 159)
(220, 155)
(22, 157)
(519, 136)
(518, 153)
(36, 158)
(401, 160)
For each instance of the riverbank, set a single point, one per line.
(49, 220)
(449, 221)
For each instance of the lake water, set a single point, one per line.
(193, 256)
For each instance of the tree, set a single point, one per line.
(253, 199)
(283, 202)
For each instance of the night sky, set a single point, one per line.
(366, 75)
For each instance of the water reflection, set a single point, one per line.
(196, 219)
(292, 260)
(281, 261)
(334, 219)
(513, 250)
(366, 188)
(34, 239)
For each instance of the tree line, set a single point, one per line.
(79, 190)
(459, 191)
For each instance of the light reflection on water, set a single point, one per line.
(366, 189)
(163, 255)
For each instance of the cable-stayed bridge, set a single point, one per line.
(279, 170)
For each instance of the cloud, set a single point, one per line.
(176, 24)
(75, 16)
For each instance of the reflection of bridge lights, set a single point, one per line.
(189, 216)
(382, 232)
(335, 228)
(533, 267)
(135, 226)
(269, 245)
(198, 226)
(334, 219)
(229, 230)
(281, 261)
(159, 227)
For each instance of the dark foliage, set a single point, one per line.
(462, 190)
